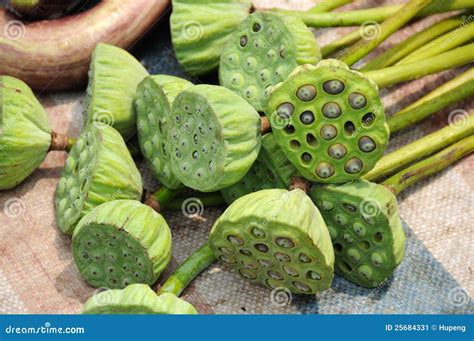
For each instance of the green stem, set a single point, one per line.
(390, 57)
(423, 147)
(187, 271)
(164, 195)
(429, 166)
(400, 73)
(328, 5)
(364, 46)
(207, 200)
(446, 42)
(450, 92)
(337, 44)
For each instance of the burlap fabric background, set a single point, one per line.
(38, 275)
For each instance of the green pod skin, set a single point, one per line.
(200, 29)
(215, 135)
(121, 242)
(329, 121)
(99, 169)
(365, 228)
(261, 237)
(136, 299)
(262, 52)
(25, 134)
(271, 170)
(114, 75)
(153, 101)
(42, 9)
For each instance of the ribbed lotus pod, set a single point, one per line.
(329, 121)
(121, 242)
(215, 135)
(136, 299)
(99, 168)
(153, 101)
(271, 170)
(201, 28)
(276, 238)
(25, 134)
(114, 75)
(42, 9)
(262, 52)
(365, 228)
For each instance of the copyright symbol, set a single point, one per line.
(434, 327)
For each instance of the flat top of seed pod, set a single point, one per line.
(136, 299)
(262, 52)
(215, 135)
(121, 242)
(155, 95)
(25, 134)
(99, 168)
(329, 121)
(114, 75)
(276, 238)
(365, 228)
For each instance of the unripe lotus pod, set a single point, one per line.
(215, 135)
(121, 242)
(340, 133)
(153, 101)
(136, 299)
(276, 238)
(99, 168)
(42, 9)
(262, 52)
(25, 134)
(200, 29)
(114, 75)
(365, 228)
(271, 170)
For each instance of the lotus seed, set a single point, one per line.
(246, 252)
(250, 265)
(331, 110)
(366, 144)
(307, 117)
(248, 274)
(341, 219)
(306, 93)
(301, 286)
(357, 100)
(304, 258)
(256, 27)
(349, 207)
(282, 257)
(327, 205)
(258, 232)
(347, 238)
(333, 87)
(337, 151)
(365, 271)
(314, 275)
(275, 275)
(359, 229)
(285, 110)
(376, 259)
(261, 247)
(284, 242)
(265, 263)
(235, 240)
(290, 271)
(353, 254)
(324, 170)
(243, 41)
(328, 132)
(353, 166)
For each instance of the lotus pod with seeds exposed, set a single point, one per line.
(136, 299)
(25, 134)
(42, 9)
(215, 135)
(365, 228)
(276, 238)
(114, 75)
(200, 29)
(271, 170)
(99, 168)
(262, 52)
(153, 101)
(329, 121)
(121, 242)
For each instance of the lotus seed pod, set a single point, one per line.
(271, 170)
(200, 29)
(99, 169)
(365, 228)
(25, 134)
(276, 238)
(114, 75)
(153, 101)
(136, 299)
(336, 130)
(42, 9)
(215, 135)
(121, 242)
(262, 52)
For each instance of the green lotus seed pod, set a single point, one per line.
(262, 52)
(271, 170)
(276, 238)
(335, 131)
(99, 168)
(121, 242)
(200, 29)
(25, 134)
(153, 101)
(42, 9)
(136, 299)
(215, 135)
(365, 228)
(114, 75)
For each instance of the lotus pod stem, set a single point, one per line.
(162, 197)
(43, 9)
(60, 142)
(328, 5)
(344, 41)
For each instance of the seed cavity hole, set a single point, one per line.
(368, 119)
(349, 128)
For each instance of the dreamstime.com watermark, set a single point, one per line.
(46, 329)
